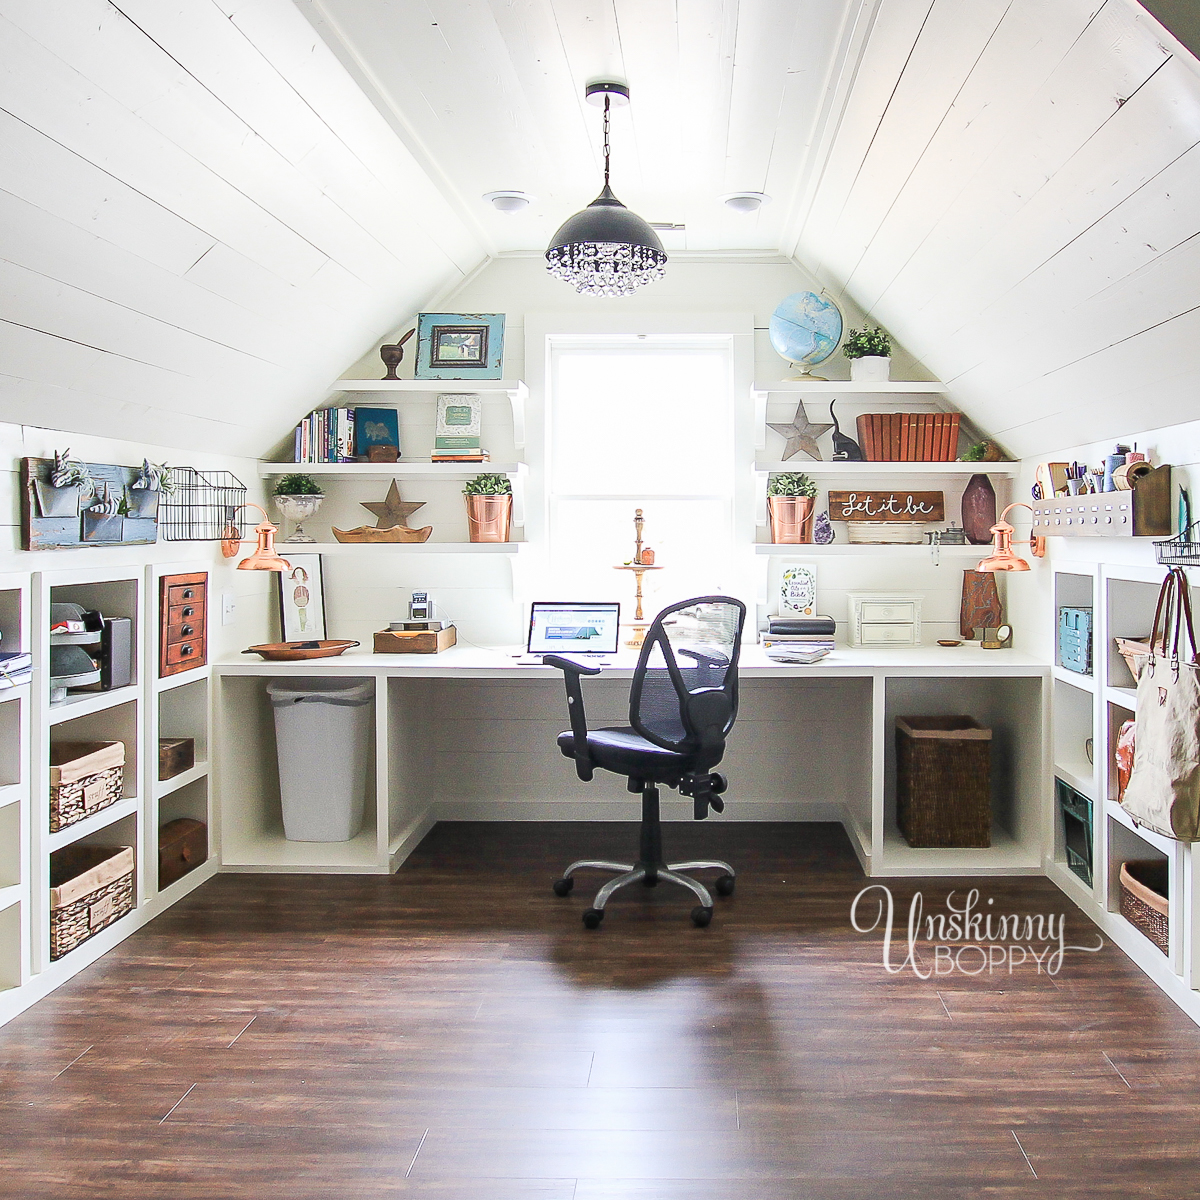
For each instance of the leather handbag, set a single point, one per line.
(1163, 792)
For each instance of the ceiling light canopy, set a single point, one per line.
(746, 202)
(508, 201)
(606, 250)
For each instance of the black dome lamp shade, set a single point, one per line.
(606, 250)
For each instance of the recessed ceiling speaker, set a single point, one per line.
(508, 201)
(746, 202)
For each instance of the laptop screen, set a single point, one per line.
(573, 627)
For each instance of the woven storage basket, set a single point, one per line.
(943, 781)
(90, 888)
(1143, 900)
(84, 778)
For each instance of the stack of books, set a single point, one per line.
(460, 456)
(798, 639)
(909, 437)
(325, 436)
(456, 434)
(16, 668)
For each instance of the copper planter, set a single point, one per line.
(791, 519)
(488, 517)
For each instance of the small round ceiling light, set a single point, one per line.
(746, 202)
(508, 201)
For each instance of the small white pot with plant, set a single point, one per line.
(298, 497)
(790, 496)
(870, 355)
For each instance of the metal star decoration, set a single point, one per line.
(391, 511)
(801, 434)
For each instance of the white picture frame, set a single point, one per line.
(302, 598)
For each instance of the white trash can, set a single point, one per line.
(323, 739)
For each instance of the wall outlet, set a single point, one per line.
(228, 608)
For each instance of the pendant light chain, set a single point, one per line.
(607, 100)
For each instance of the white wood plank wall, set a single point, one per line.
(202, 220)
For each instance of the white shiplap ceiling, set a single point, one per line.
(727, 95)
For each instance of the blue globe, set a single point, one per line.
(806, 328)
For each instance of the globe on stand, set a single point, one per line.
(805, 329)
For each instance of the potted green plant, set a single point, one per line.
(298, 497)
(870, 354)
(790, 496)
(62, 495)
(489, 507)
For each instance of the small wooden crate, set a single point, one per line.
(1144, 899)
(182, 847)
(90, 888)
(410, 641)
(85, 777)
(175, 755)
(943, 782)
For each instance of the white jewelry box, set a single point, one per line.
(885, 618)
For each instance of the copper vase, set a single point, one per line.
(791, 519)
(488, 517)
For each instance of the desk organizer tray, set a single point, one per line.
(90, 888)
(413, 641)
(85, 777)
(943, 781)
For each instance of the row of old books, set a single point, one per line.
(908, 437)
(798, 639)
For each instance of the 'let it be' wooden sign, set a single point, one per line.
(886, 506)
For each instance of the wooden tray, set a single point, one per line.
(298, 651)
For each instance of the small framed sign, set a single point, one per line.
(459, 346)
(887, 506)
(301, 598)
(798, 590)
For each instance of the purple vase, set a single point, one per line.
(979, 510)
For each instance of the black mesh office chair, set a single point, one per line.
(682, 705)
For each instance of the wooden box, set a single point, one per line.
(1145, 511)
(85, 777)
(406, 641)
(90, 888)
(175, 755)
(182, 847)
(943, 781)
(182, 623)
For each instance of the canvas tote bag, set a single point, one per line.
(1164, 790)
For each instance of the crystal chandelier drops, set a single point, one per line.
(606, 250)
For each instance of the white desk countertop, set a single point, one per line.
(473, 662)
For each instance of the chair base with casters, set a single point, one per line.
(650, 869)
(680, 713)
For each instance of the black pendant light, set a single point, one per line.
(606, 250)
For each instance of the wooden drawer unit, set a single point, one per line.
(182, 623)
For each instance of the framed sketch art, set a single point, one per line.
(301, 598)
(459, 346)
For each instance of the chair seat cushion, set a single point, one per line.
(626, 752)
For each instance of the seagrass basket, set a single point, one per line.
(1144, 899)
(943, 781)
(90, 888)
(85, 777)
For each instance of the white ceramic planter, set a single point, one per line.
(299, 509)
(871, 368)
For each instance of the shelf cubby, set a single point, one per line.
(13, 716)
(12, 946)
(1072, 730)
(118, 723)
(1130, 604)
(183, 713)
(113, 598)
(12, 837)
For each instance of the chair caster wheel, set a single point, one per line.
(562, 887)
(593, 917)
(701, 916)
(719, 783)
(725, 885)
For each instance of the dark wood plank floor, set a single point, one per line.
(453, 1032)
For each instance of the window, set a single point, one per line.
(641, 422)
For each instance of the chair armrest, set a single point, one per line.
(572, 670)
(706, 714)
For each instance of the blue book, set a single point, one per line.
(375, 427)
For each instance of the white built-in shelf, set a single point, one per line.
(14, 693)
(1164, 845)
(399, 547)
(164, 787)
(416, 469)
(13, 894)
(84, 704)
(1122, 697)
(804, 549)
(848, 387)
(11, 793)
(1079, 776)
(1005, 856)
(871, 469)
(195, 675)
(269, 853)
(1085, 683)
(102, 820)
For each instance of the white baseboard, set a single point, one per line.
(627, 810)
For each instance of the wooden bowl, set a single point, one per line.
(298, 651)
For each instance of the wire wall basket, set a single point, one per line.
(1183, 550)
(203, 507)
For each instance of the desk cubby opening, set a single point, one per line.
(112, 598)
(1011, 707)
(252, 836)
(117, 724)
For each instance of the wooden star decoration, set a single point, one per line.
(391, 511)
(801, 434)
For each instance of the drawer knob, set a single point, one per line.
(185, 650)
(189, 611)
(188, 593)
(186, 630)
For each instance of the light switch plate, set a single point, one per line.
(228, 608)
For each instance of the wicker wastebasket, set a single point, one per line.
(943, 782)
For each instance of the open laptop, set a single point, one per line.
(587, 630)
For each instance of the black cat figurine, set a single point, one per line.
(844, 449)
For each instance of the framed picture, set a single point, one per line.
(460, 346)
(301, 598)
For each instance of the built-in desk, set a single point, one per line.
(469, 734)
